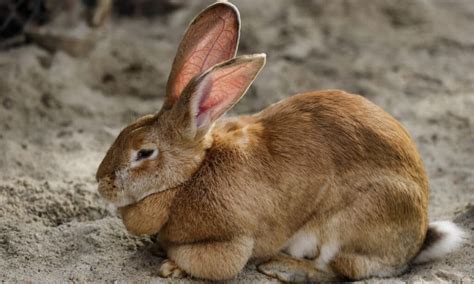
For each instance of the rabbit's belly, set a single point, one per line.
(302, 245)
(306, 245)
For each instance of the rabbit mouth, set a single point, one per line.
(114, 192)
(121, 191)
(114, 195)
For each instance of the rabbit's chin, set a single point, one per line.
(128, 200)
(122, 202)
(150, 192)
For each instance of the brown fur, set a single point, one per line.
(366, 185)
(329, 164)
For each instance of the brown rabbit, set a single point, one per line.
(319, 186)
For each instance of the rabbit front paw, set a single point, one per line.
(169, 269)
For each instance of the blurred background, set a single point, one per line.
(74, 73)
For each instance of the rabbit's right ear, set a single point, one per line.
(207, 97)
(211, 38)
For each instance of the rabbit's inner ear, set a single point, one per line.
(211, 38)
(218, 90)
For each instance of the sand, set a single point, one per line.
(59, 114)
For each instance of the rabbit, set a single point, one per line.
(320, 186)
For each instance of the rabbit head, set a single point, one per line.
(162, 151)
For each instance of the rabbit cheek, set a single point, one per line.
(116, 190)
(142, 181)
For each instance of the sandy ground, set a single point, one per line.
(59, 114)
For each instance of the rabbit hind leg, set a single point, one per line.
(342, 267)
(357, 267)
(289, 269)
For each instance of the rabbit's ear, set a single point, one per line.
(211, 38)
(209, 96)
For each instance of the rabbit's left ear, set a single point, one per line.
(211, 38)
(209, 96)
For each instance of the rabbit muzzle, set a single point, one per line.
(113, 192)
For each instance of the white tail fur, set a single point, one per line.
(442, 238)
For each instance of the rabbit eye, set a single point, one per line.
(148, 151)
(144, 154)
